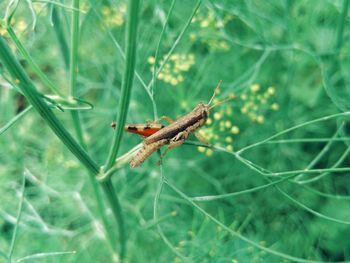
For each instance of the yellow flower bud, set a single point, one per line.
(235, 130)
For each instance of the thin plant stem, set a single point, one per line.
(57, 25)
(107, 186)
(177, 41)
(15, 119)
(156, 219)
(18, 218)
(73, 63)
(156, 56)
(100, 205)
(128, 77)
(44, 79)
(73, 68)
(342, 20)
(127, 82)
(235, 233)
(325, 118)
(33, 257)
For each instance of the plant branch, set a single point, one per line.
(128, 77)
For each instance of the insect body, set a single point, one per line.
(181, 128)
(175, 133)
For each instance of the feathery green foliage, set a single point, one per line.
(272, 187)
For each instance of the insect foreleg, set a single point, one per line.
(181, 136)
(175, 142)
(172, 145)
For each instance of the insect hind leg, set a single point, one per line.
(201, 138)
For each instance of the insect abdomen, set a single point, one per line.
(146, 151)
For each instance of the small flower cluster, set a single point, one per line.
(174, 69)
(113, 16)
(256, 102)
(207, 30)
(222, 128)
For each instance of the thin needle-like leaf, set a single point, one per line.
(18, 219)
(44, 255)
(15, 119)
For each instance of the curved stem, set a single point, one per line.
(107, 186)
(44, 79)
(342, 19)
(156, 57)
(27, 87)
(117, 212)
(38, 103)
(128, 77)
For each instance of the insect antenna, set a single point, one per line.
(223, 101)
(215, 92)
(214, 95)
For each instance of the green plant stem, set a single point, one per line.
(342, 19)
(117, 212)
(18, 219)
(57, 25)
(73, 68)
(107, 186)
(128, 77)
(73, 62)
(176, 43)
(32, 64)
(15, 119)
(29, 91)
(156, 56)
(34, 98)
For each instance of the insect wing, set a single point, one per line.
(144, 130)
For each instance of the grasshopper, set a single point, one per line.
(174, 134)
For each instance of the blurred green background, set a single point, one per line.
(287, 62)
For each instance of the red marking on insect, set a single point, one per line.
(144, 130)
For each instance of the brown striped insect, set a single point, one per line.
(174, 134)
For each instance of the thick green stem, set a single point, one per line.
(29, 91)
(27, 87)
(107, 186)
(128, 77)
